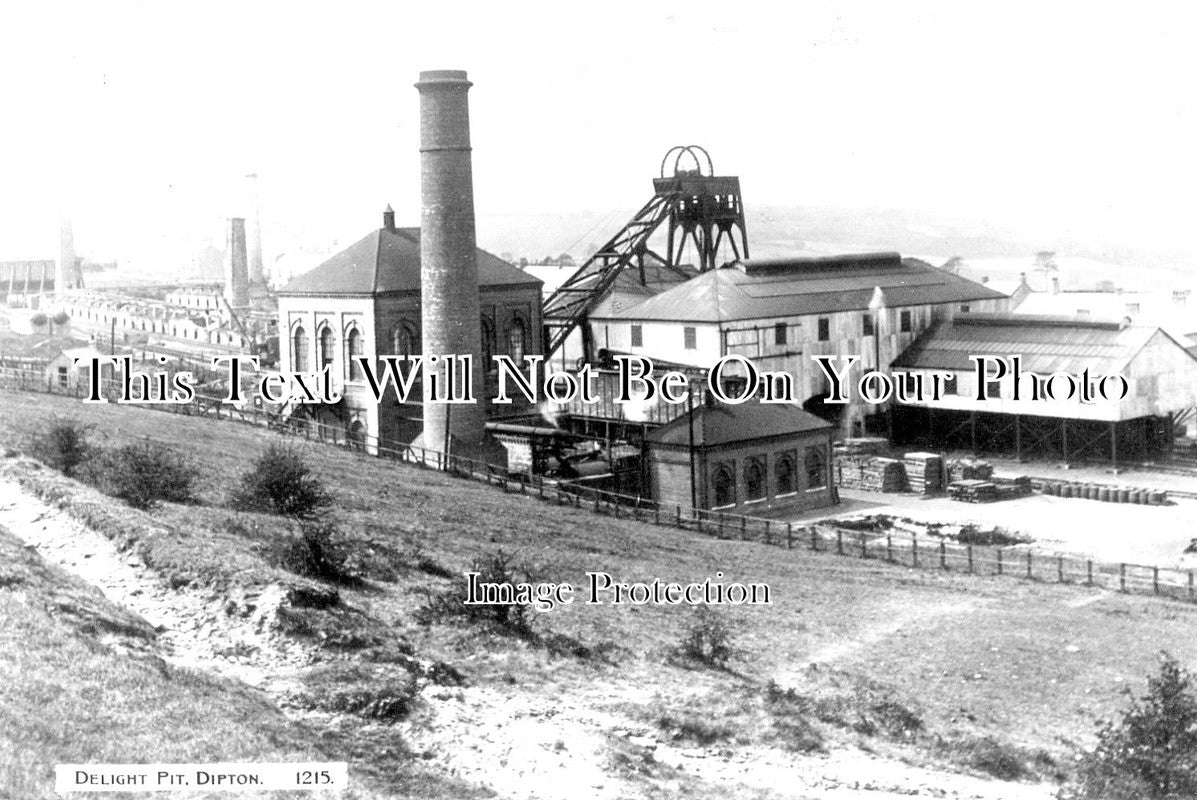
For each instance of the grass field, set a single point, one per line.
(977, 674)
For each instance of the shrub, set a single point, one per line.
(318, 552)
(37, 320)
(498, 567)
(282, 482)
(61, 318)
(63, 446)
(1152, 751)
(708, 639)
(146, 474)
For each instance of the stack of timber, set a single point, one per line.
(925, 472)
(970, 469)
(871, 473)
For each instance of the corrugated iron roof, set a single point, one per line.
(388, 260)
(759, 289)
(1047, 344)
(726, 424)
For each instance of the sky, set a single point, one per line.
(139, 121)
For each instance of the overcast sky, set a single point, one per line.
(140, 119)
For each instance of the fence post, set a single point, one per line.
(768, 539)
(790, 546)
(943, 554)
(1122, 577)
(864, 546)
(999, 561)
(839, 542)
(720, 532)
(970, 559)
(914, 550)
(596, 501)
(539, 485)
(743, 528)
(1089, 573)
(1155, 579)
(679, 515)
(889, 547)
(1060, 569)
(814, 538)
(656, 513)
(1030, 576)
(1190, 585)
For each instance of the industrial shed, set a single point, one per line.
(1162, 378)
(780, 312)
(743, 458)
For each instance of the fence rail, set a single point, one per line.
(895, 547)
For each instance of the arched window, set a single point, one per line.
(488, 344)
(299, 350)
(724, 481)
(327, 343)
(816, 470)
(784, 470)
(754, 479)
(353, 350)
(405, 341)
(515, 340)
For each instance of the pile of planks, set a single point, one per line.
(925, 472)
(970, 469)
(871, 473)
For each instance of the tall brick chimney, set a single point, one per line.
(236, 268)
(257, 270)
(450, 306)
(64, 267)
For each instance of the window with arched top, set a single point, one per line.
(783, 469)
(488, 344)
(405, 341)
(754, 479)
(816, 468)
(299, 350)
(724, 484)
(353, 351)
(515, 340)
(327, 344)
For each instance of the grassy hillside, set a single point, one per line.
(982, 675)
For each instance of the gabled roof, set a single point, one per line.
(388, 260)
(721, 423)
(1046, 344)
(768, 288)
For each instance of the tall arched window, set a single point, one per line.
(299, 350)
(405, 341)
(515, 340)
(353, 351)
(783, 468)
(724, 482)
(488, 344)
(328, 343)
(754, 479)
(816, 469)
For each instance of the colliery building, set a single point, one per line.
(1161, 376)
(366, 301)
(781, 312)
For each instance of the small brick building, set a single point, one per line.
(743, 458)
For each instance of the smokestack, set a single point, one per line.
(1055, 285)
(450, 306)
(236, 270)
(257, 272)
(64, 270)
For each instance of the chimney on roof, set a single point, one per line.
(984, 279)
(1055, 285)
(1022, 279)
(388, 218)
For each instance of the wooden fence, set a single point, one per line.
(892, 547)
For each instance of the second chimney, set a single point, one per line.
(236, 266)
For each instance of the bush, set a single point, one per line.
(499, 567)
(61, 318)
(282, 482)
(63, 446)
(146, 474)
(318, 552)
(37, 320)
(708, 639)
(1152, 751)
